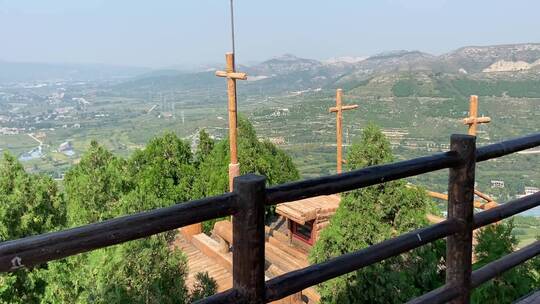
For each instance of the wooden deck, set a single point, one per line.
(199, 262)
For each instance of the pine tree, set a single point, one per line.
(95, 185)
(142, 271)
(255, 156)
(205, 146)
(29, 205)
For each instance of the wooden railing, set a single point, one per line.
(246, 204)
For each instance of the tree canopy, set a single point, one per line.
(254, 155)
(148, 270)
(102, 186)
(29, 204)
(494, 242)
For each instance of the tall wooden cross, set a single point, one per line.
(473, 120)
(232, 76)
(338, 109)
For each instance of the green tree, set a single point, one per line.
(368, 216)
(94, 186)
(163, 169)
(204, 147)
(29, 204)
(494, 242)
(255, 156)
(142, 271)
(204, 287)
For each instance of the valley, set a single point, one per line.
(416, 98)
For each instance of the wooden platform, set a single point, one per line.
(199, 262)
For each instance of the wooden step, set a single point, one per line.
(199, 262)
(293, 251)
(282, 259)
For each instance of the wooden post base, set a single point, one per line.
(234, 171)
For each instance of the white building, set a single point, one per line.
(497, 184)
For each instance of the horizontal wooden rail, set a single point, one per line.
(359, 178)
(38, 249)
(506, 210)
(298, 280)
(446, 293)
(228, 296)
(383, 173)
(505, 263)
(507, 147)
(440, 295)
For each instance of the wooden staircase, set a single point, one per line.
(197, 262)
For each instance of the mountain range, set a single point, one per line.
(291, 73)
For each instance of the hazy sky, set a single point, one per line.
(189, 32)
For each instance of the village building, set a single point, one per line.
(527, 190)
(66, 148)
(497, 184)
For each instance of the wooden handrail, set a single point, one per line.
(246, 205)
(359, 178)
(38, 249)
(298, 280)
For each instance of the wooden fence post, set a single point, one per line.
(248, 238)
(460, 208)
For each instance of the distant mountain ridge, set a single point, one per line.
(291, 73)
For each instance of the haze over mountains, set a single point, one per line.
(289, 72)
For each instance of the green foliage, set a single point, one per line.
(373, 149)
(260, 157)
(404, 87)
(467, 86)
(204, 287)
(368, 216)
(94, 186)
(163, 171)
(29, 205)
(143, 271)
(255, 156)
(205, 146)
(494, 242)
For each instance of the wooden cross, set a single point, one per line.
(338, 109)
(232, 76)
(473, 120)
